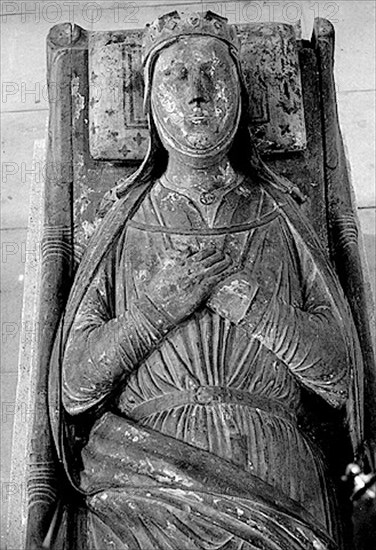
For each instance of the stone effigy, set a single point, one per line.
(204, 331)
(206, 381)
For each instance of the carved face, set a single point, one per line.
(195, 96)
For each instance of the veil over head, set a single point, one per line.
(243, 154)
(130, 192)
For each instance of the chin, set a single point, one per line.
(204, 139)
(200, 141)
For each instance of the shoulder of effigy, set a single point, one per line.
(255, 194)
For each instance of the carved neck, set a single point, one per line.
(188, 175)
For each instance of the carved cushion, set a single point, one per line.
(270, 63)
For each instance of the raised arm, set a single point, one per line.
(311, 344)
(287, 305)
(104, 347)
(308, 337)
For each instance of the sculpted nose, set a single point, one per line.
(197, 89)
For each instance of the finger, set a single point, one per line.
(214, 259)
(203, 254)
(218, 267)
(216, 276)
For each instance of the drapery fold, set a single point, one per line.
(108, 279)
(162, 493)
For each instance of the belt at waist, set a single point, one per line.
(210, 395)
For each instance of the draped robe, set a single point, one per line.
(202, 447)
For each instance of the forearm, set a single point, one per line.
(98, 356)
(309, 343)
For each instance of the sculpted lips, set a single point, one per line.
(198, 117)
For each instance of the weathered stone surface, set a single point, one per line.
(269, 56)
(29, 402)
(118, 128)
(270, 62)
(207, 256)
(145, 310)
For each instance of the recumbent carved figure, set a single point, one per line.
(204, 326)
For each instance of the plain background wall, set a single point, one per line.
(24, 27)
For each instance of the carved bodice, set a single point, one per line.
(209, 350)
(179, 379)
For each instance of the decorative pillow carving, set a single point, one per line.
(270, 61)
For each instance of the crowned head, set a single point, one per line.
(193, 82)
(174, 25)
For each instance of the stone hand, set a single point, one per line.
(233, 297)
(182, 285)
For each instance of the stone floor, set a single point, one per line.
(24, 117)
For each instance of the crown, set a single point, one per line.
(170, 27)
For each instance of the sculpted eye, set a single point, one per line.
(167, 72)
(183, 73)
(207, 71)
